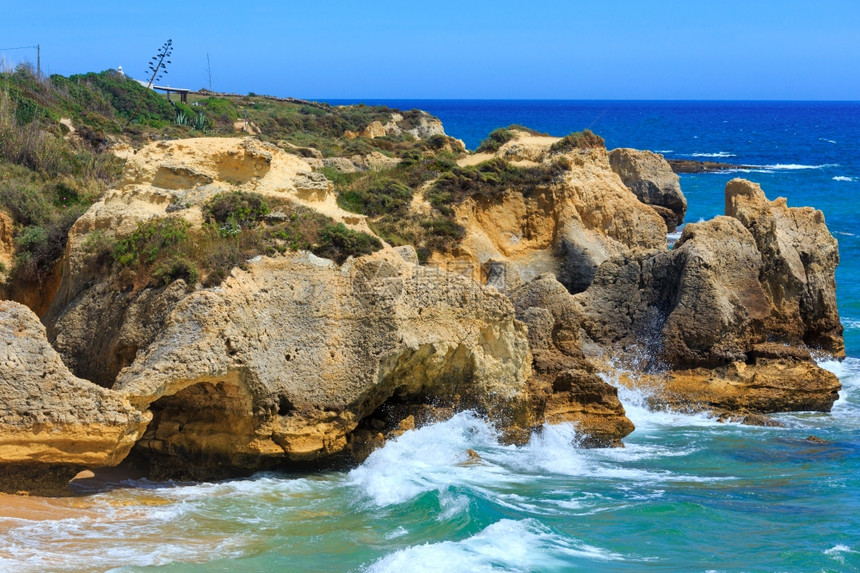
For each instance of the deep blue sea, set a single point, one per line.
(686, 494)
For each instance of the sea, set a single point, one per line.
(687, 493)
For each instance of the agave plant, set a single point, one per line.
(201, 122)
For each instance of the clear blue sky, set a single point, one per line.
(529, 49)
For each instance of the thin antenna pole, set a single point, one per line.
(209, 70)
(39, 61)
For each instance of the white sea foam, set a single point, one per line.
(844, 233)
(827, 140)
(646, 420)
(400, 531)
(507, 545)
(797, 166)
(847, 407)
(718, 154)
(838, 552)
(843, 178)
(665, 151)
(427, 459)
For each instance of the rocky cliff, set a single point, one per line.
(560, 280)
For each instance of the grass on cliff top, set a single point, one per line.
(490, 180)
(48, 180)
(578, 140)
(385, 196)
(239, 227)
(499, 137)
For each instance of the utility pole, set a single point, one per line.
(38, 56)
(209, 71)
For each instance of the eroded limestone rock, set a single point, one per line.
(651, 178)
(53, 424)
(282, 362)
(568, 226)
(567, 381)
(799, 257)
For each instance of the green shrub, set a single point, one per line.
(577, 140)
(176, 268)
(25, 202)
(337, 242)
(489, 179)
(496, 139)
(149, 240)
(39, 247)
(381, 197)
(221, 108)
(234, 210)
(99, 248)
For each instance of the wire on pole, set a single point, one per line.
(38, 49)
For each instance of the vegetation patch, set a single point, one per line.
(377, 196)
(239, 227)
(491, 180)
(577, 140)
(496, 139)
(499, 137)
(236, 210)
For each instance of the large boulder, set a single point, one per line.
(651, 178)
(565, 379)
(799, 257)
(708, 318)
(53, 424)
(283, 362)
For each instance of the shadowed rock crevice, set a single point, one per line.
(203, 431)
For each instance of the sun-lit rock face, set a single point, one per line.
(53, 424)
(652, 180)
(176, 178)
(799, 259)
(282, 362)
(568, 225)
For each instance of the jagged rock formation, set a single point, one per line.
(799, 257)
(291, 355)
(568, 226)
(53, 424)
(296, 360)
(652, 180)
(712, 314)
(563, 376)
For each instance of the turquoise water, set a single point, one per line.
(686, 494)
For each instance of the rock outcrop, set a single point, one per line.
(99, 330)
(651, 178)
(53, 424)
(567, 226)
(293, 360)
(290, 356)
(711, 319)
(799, 258)
(175, 179)
(567, 381)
